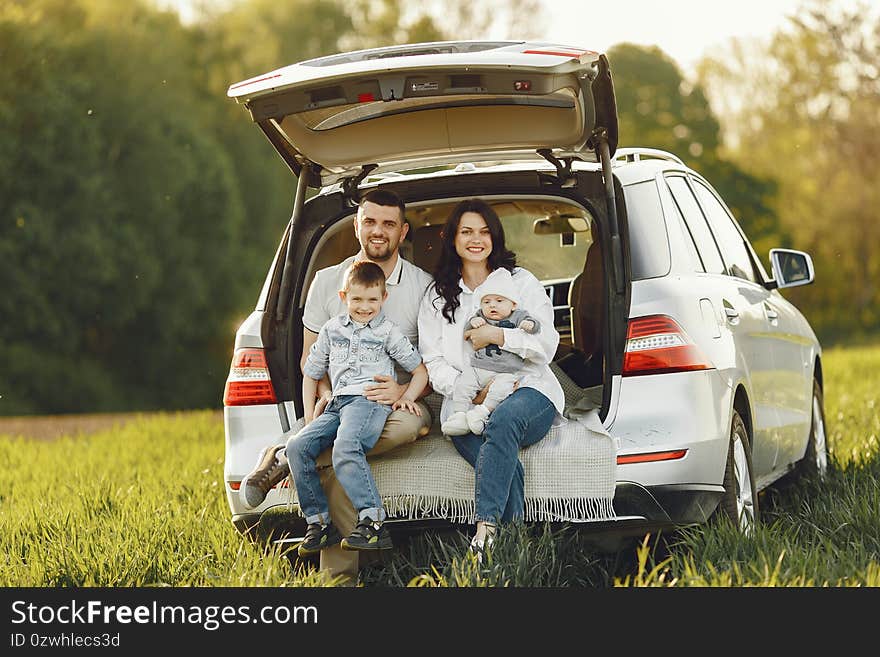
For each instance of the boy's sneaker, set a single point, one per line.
(271, 468)
(368, 535)
(318, 537)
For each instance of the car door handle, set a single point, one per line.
(732, 313)
(772, 315)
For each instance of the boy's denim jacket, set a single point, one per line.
(354, 353)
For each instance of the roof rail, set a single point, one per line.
(637, 154)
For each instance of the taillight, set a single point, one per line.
(649, 457)
(656, 344)
(248, 382)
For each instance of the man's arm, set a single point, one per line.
(309, 390)
(416, 385)
(322, 390)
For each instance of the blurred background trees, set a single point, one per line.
(658, 107)
(121, 214)
(808, 117)
(139, 207)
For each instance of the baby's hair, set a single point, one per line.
(364, 273)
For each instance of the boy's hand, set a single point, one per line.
(527, 325)
(407, 405)
(477, 322)
(386, 391)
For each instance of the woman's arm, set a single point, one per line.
(441, 374)
(541, 346)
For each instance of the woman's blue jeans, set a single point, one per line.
(519, 421)
(352, 424)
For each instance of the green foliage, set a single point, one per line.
(120, 513)
(140, 207)
(658, 108)
(120, 217)
(811, 121)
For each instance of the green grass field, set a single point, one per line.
(143, 505)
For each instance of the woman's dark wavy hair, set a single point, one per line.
(448, 270)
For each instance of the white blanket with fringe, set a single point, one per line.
(570, 474)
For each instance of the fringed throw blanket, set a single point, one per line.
(569, 475)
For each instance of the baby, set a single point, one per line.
(498, 300)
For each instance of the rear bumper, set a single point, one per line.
(672, 505)
(639, 510)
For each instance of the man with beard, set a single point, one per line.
(380, 227)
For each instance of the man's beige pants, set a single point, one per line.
(401, 428)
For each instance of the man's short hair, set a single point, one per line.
(385, 197)
(364, 272)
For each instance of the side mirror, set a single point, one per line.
(791, 268)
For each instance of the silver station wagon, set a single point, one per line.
(691, 383)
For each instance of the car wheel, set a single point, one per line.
(739, 502)
(815, 461)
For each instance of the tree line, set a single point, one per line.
(140, 208)
(810, 121)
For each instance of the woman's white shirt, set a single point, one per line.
(446, 353)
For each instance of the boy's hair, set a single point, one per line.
(364, 273)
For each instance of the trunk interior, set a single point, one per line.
(561, 234)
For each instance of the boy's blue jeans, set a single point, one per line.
(519, 421)
(352, 424)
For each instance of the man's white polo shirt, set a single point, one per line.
(406, 285)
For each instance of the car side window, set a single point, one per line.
(696, 223)
(674, 219)
(649, 244)
(730, 240)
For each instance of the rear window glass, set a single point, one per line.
(548, 257)
(649, 243)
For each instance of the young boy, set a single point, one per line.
(498, 300)
(355, 347)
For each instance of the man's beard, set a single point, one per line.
(379, 253)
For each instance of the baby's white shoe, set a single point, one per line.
(455, 425)
(476, 419)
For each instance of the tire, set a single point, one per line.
(815, 461)
(739, 502)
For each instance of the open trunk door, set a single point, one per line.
(423, 105)
(339, 118)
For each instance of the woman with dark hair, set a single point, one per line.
(473, 247)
